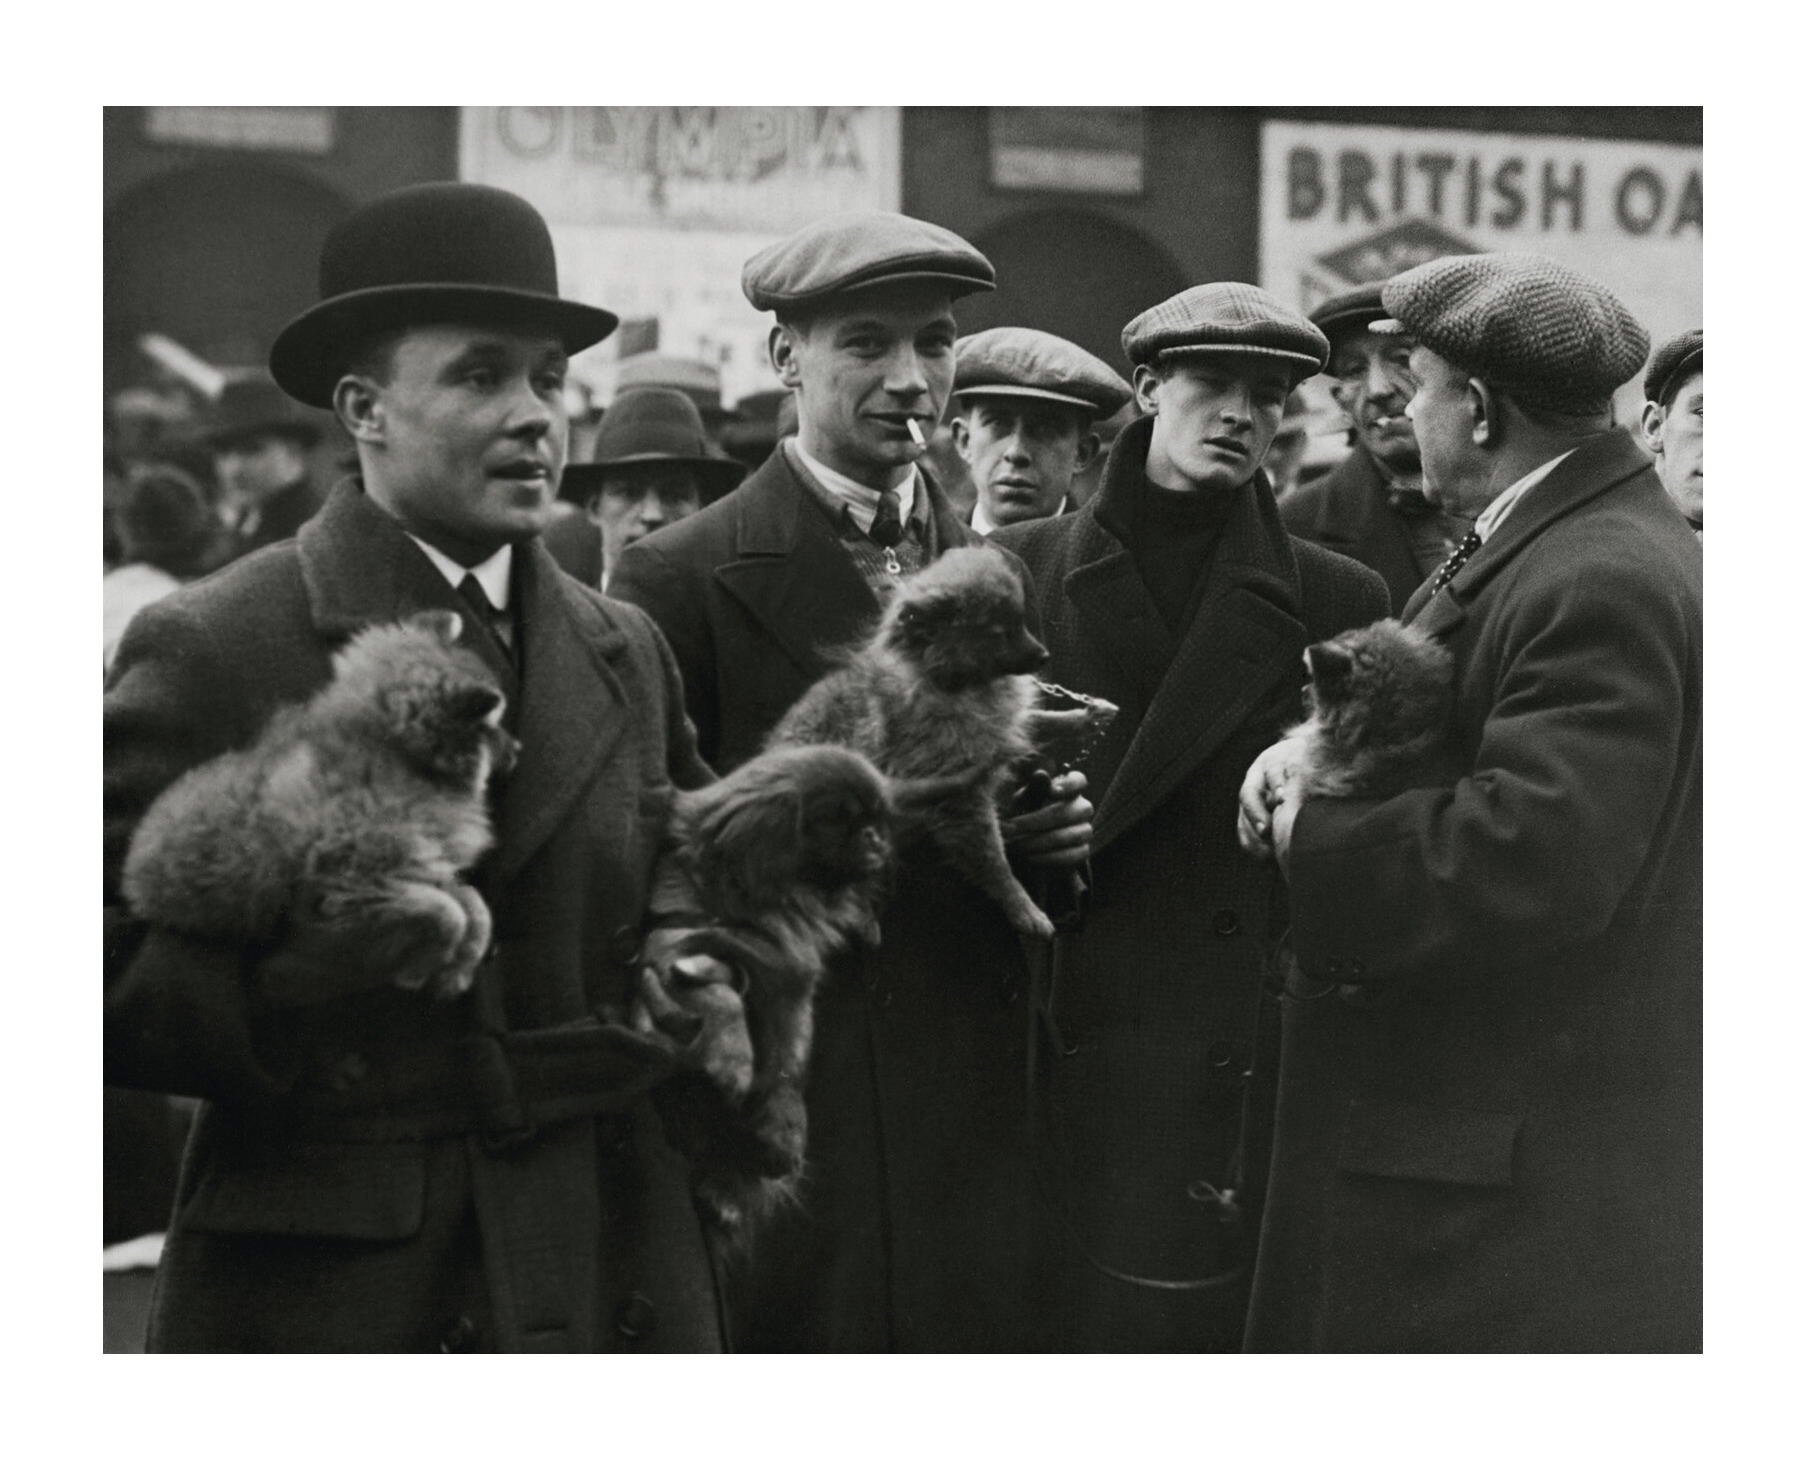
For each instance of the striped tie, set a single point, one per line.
(1452, 565)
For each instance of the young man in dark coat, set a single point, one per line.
(380, 1169)
(1490, 1120)
(919, 1226)
(1177, 594)
(261, 440)
(1372, 506)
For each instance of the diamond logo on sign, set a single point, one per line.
(1392, 251)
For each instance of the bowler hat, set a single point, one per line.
(436, 253)
(253, 405)
(651, 427)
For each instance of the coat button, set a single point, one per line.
(1334, 968)
(1357, 968)
(1226, 922)
(624, 943)
(460, 1337)
(350, 1070)
(635, 1316)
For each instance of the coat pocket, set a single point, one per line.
(372, 1192)
(1428, 1143)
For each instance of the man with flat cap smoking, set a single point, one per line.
(1024, 403)
(919, 1226)
(1673, 386)
(1177, 594)
(1489, 1129)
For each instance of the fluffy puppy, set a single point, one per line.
(1380, 701)
(352, 813)
(943, 689)
(771, 871)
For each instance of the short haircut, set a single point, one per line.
(374, 356)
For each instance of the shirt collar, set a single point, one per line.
(984, 526)
(493, 573)
(1488, 522)
(861, 500)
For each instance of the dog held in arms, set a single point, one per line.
(352, 813)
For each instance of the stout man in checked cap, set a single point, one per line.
(919, 1227)
(374, 1167)
(1177, 594)
(1490, 1122)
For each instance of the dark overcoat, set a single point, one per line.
(1346, 511)
(1490, 1123)
(1156, 1008)
(386, 1171)
(919, 1227)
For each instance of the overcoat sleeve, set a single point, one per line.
(182, 1014)
(1582, 703)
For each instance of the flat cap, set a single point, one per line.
(1539, 330)
(1226, 319)
(850, 251)
(1354, 309)
(1012, 361)
(1674, 361)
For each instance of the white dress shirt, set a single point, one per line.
(1488, 522)
(492, 574)
(862, 501)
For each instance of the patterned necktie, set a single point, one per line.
(887, 528)
(486, 613)
(1452, 565)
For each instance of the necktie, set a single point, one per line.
(1452, 565)
(887, 528)
(486, 613)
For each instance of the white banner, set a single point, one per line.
(1343, 205)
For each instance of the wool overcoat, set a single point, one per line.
(1489, 1131)
(1152, 1125)
(383, 1170)
(1346, 510)
(919, 1228)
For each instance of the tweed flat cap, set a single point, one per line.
(1352, 310)
(1012, 361)
(1539, 330)
(1674, 361)
(1226, 319)
(850, 251)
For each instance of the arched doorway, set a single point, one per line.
(217, 257)
(1074, 273)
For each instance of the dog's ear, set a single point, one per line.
(752, 840)
(474, 702)
(1330, 663)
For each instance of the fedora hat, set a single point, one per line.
(253, 405)
(651, 427)
(436, 253)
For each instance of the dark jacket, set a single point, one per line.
(1155, 1013)
(575, 543)
(280, 518)
(1491, 1139)
(919, 1227)
(1346, 510)
(384, 1171)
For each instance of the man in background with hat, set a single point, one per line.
(1025, 401)
(651, 465)
(1490, 1104)
(1372, 506)
(261, 439)
(1176, 594)
(1672, 420)
(919, 1227)
(374, 1168)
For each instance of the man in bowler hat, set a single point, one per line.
(1372, 506)
(1024, 403)
(651, 465)
(919, 1227)
(378, 1169)
(1176, 594)
(1490, 1121)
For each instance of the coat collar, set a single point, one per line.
(358, 568)
(1244, 641)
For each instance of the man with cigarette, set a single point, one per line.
(919, 1227)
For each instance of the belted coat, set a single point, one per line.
(919, 1226)
(384, 1171)
(1489, 1132)
(1152, 1121)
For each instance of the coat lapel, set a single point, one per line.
(791, 572)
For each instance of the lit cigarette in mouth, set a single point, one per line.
(915, 431)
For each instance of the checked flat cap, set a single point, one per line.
(1012, 361)
(1674, 361)
(848, 251)
(1540, 331)
(1226, 319)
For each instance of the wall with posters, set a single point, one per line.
(1342, 205)
(653, 210)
